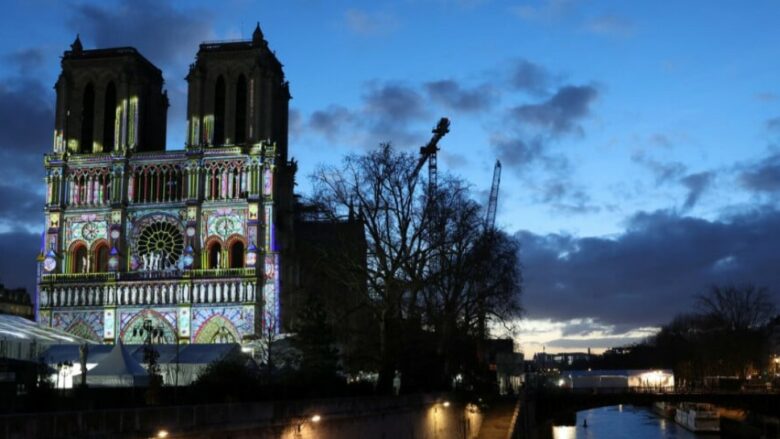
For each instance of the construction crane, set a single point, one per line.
(490, 218)
(428, 153)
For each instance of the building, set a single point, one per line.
(15, 302)
(184, 246)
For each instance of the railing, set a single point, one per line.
(221, 272)
(152, 292)
(79, 277)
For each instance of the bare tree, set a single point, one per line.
(429, 260)
(390, 203)
(737, 308)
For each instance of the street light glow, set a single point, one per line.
(316, 418)
(162, 433)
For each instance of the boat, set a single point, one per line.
(699, 418)
(664, 409)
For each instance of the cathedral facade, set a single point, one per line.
(171, 246)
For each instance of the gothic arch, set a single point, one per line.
(236, 249)
(213, 246)
(217, 329)
(99, 253)
(77, 256)
(134, 333)
(82, 329)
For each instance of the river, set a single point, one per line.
(621, 422)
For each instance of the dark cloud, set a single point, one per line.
(773, 124)
(26, 61)
(450, 94)
(663, 172)
(25, 135)
(565, 197)
(161, 32)
(650, 272)
(18, 250)
(331, 121)
(696, 184)
(518, 153)
(560, 113)
(388, 112)
(530, 77)
(763, 176)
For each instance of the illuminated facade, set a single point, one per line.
(181, 245)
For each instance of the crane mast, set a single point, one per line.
(428, 153)
(490, 218)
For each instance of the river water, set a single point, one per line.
(624, 422)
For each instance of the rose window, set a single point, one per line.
(163, 240)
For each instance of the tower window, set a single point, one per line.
(214, 255)
(79, 263)
(109, 118)
(237, 255)
(219, 112)
(241, 110)
(101, 259)
(87, 119)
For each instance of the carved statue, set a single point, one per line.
(211, 293)
(233, 292)
(241, 292)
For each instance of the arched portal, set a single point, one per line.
(214, 255)
(78, 258)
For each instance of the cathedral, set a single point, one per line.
(181, 246)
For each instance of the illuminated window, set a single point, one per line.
(214, 251)
(101, 259)
(237, 255)
(79, 259)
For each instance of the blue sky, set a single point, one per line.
(639, 139)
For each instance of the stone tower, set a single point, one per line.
(109, 100)
(238, 96)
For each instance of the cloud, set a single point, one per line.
(518, 153)
(452, 95)
(388, 112)
(26, 61)
(773, 124)
(529, 77)
(662, 171)
(762, 176)
(161, 32)
(370, 23)
(767, 96)
(649, 273)
(610, 25)
(18, 250)
(696, 184)
(25, 135)
(560, 113)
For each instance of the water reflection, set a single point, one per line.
(619, 422)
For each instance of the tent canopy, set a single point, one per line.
(118, 368)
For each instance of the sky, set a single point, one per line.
(639, 140)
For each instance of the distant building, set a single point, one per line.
(15, 302)
(562, 360)
(617, 379)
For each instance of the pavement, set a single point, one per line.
(498, 420)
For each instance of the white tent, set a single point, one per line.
(117, 369)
